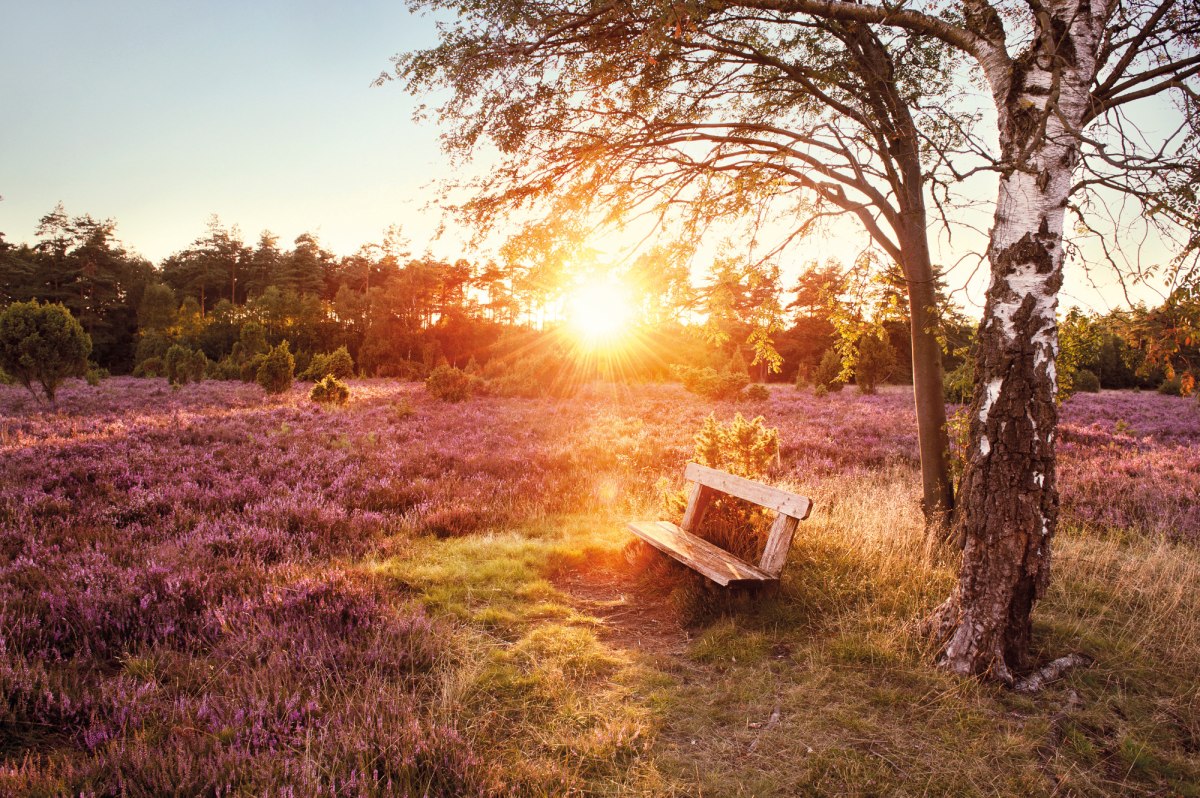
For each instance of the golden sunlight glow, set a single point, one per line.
(600, 311)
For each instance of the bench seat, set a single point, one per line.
(697, 553)
(681, 542)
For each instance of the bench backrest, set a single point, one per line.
(791, 508)
(780, 501)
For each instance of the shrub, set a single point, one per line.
(828, 373)
(1087, 381)
(338, 363)
(316, 369)
(1171, 387)
(330, 390)
(341, 365)
(449, 384)
(411, 370)
(152, 344)
(876, 360)
(958, 433)
(42, 344)
(757, 393)
(224, 369)
(150, 367)
(710, 383)
(249, 369)
(95, 375)
(276, 371)
(747, 449)
(178, 365)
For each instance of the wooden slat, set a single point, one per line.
(772, 498)
(697, 553)
(778, 542)
(699, 500)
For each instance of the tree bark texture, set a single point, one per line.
(1008, 502)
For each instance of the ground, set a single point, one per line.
(205, 591)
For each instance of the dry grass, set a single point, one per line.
(824, 689)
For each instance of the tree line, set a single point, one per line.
(400, 315)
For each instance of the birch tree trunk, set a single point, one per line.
(1008, 503)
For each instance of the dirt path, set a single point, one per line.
(635, 616)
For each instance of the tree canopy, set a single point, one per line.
(701, 112)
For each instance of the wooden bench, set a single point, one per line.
(711, 560)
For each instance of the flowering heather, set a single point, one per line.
(1131, 461)
(186, 602)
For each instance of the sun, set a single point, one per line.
(600, 311)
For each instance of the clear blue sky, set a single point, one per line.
(159, 113)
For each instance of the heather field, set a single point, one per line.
(207, 592)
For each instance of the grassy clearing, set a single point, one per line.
(530, 679)
(822, 689)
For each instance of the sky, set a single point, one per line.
(161, 113)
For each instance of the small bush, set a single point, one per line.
(253, 340)
(338, 363)
(741, 447)
(747, 449)
(42, 344)
(341, 365)
(96, 375)
(1087, 381)
(449, 384)
(828, 373)
(177, 363)
(330, 390)
(150, 367)
(1171, 387)
(224, 369)
(183, 365)
(249, 369)
(152, 344)
(275, 373)
(197, 366)
(710, 383)
(757, 393)
(410, 370)
(876, 360)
